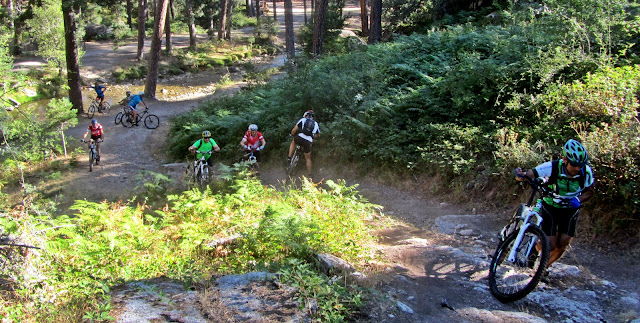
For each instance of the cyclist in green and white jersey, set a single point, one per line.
(572, 179)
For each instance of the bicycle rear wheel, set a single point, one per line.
(151, 121)
(291, 169)
(127, 120)
(119, 117)
(511, 281)
(106, 108)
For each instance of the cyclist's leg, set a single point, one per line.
(567, 223)
(307, 157)
(134, 114)
(292, 147)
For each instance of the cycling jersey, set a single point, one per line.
(202, 145)
(307, 128)
(565, 186)
(98, 89)
(135, 99)
(95, 131)
(253, 141)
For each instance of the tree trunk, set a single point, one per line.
(364, 18)
(192, 25)
(275, 15)
(130, 13)
(223, 19)
(71, 51)
(375, 33)
(229, 14)
(142, 13)
(167, 26)
(318, 27)
(17, 36)
(304, 5)
(288, 28)
(156, 48)
(258, 28)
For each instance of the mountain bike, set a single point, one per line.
(200, 168)
(95, 106)
(93, 153)
(291, 168)
(151, 121)
(125, 110)
(250, 160)
(523, 251)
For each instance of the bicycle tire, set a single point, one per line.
(119, 118)
(196, 172)
(127, 120)
(508, 281)
(106, 108)
(294, 162)
(205, 175)
(151, 121)
(91, 160)
(91, 110)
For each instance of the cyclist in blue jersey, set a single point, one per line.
(99, 93)
(572, 179)
(133, 102)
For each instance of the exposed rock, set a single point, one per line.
(451, 224)
(560, 270)
(404, 307)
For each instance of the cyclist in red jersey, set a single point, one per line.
(96, 133)
(253, 140)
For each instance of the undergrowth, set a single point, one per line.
(83, 255)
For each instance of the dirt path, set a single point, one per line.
(438, 253)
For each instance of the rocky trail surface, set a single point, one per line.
(436, 254)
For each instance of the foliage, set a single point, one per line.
(333, 24)
(47, 28)
(105, 244)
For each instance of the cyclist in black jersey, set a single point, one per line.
(305, 130)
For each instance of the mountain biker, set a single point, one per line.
(96, 133)
(99, 92)
(303, 133)
(253, 140)
(125, 101)
(572, 179)
(205, 144)
(134, 100)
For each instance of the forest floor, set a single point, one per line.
(435, 254)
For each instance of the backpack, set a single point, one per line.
(555, 172)
(308, 126)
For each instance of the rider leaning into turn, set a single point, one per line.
(253, 140)
(96, 133)
(99, 92)
(303, 133)
(572, 179)
(205, 144)
(134, 100)
(125, 101)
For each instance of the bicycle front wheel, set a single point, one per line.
(119, 117)
(91, 111)
(511, 281)
(151, 121)
(204, 174)
(91, 159)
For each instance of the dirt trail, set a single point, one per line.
(438, 252)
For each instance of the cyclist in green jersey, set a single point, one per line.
(572, 180)
(206, 144)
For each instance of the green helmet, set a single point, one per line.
(575, 153)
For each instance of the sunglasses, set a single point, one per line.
(574, 164)
(207, 137)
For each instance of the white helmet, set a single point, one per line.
(141, 94)
(253, 127)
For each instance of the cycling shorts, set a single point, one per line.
(96, 138)
(558, 220)
(133, 108)
(101, 97)
(305, 144)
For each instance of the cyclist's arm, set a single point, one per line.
(262, 143)
(522, 174)
(586, 194)
(294, 130)
(192, 149)
(216, 148)
(243, 143)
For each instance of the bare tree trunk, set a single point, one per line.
(375, 33)
(364, 18)
(275, 15)
(192, 25)
(156, 48)
(304, 4)
(229, 14)
(142, 13)
(167, 26)
(223, 19)
(130, 13)
(257, 3)
(288, 28)
(318, 27)
(71, 53)
(64, 143)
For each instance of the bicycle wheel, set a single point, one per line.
(91, 160)
(119, 117)
(127, 120)
(92, 110)
(291, 169)
(106, 108)
(151, 121)
(511, 281)
(204, 174)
